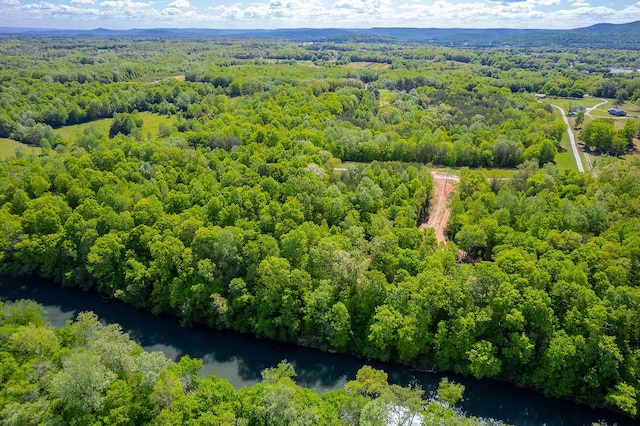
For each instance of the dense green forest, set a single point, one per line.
(90, 373)
(285, 198)
(424, 104)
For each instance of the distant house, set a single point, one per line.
(575, 111)
(618, 112)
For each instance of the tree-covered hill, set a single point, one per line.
(618, 36)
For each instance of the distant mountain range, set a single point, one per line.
(624, 36)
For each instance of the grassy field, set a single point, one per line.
(385, 97)
(150, 123)
(491, 173)
(631, 108)
(8, 148)
(564, 158)
(583, 102)
(367, 65)
(601, 111)
(565, 161)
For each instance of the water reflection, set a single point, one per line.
(240, 358)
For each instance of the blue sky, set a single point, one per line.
(122, 14)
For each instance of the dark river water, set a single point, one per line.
(240, 358)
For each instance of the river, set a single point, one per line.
(240, 358)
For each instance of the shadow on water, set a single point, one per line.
(241, 358)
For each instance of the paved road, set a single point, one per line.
(587, 111)
(574, 147)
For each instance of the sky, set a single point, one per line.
(268, 14)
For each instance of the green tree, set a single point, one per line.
(599, 134)
(623, 398)
(375, 413)
(472, 239)
(34, 339)
(81, 385)
(104, 261)
(484, 362)
(125, 124)
(369, 382)
(6, 126)
(621, 96)
(23, 312)
(579, 118)
(450, 392)
(278, 312)
(340, 324)
(383, 331)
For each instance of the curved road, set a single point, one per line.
(587, 111)
(574, 147)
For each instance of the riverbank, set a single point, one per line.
(240, 358)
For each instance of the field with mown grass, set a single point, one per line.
(8, 148)
(150, 123)
(564, 158)
(566, 103)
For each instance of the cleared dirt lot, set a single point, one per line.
(439, 211)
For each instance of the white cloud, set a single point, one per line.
(544, 2)
(523, 14)
(171, 11)
(316, 13)
(289, 13)
(359, 10)
(124, 4)
(181, 4)
(176, 10)
(129, 13)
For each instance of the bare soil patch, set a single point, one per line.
(175, 77)
(439, 211)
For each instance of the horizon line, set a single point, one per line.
(306, 28)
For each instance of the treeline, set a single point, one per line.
(432, 105)
(442, 122)
(90, 373)
(58, 104)
(602, 135)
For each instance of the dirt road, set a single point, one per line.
(443, 187)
